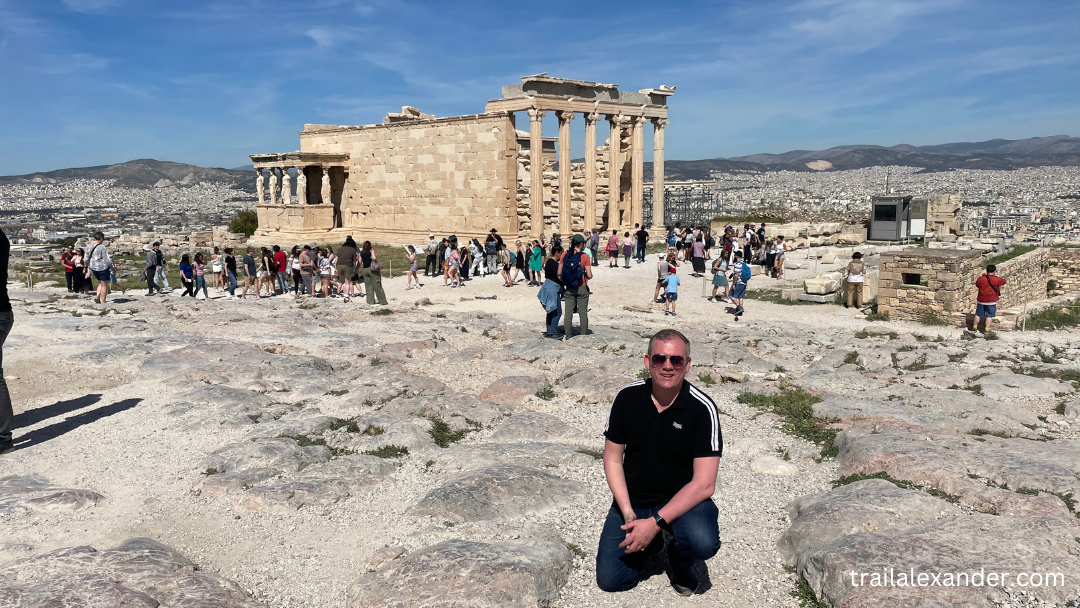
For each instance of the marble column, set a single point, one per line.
(286, 187)
(260, 187)
(301, 186)
(637, 172)
(589, 214)
(536, 171)
(273, 186)
(565, 173)
(614, 171)
(658, 172)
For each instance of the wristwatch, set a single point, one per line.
(660, 522)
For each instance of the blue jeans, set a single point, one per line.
(696, 536)
(640, 253)
(553, 321)
(232, 283)
(162, 280)
(283, 279)
(200, 283)
(985, 310)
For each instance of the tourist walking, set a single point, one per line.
(199, 267)
(69, 268)
(267, 274)
(661, 456)
(216, 264)
(372, 275)
(536, 262)
(856, 270)
(504, 261)
(250, 273)
(186, 278)
(519, 261)
(294, 268)
(230, 271)
(432, 250)
(307, 270)
(671, 292)
(666, 262)
(410, 277)
(741, 274)
(150, 270)
(281, 261)
(697, 255)
(642, 237)
(100, 265)
(719, 279)
(592, 240)
(324, 271)
(989, 287)
(575, 271)
(612, 248)
(491, 251)
(781, 248)
(162, 269)
(7, 320)
(477, 252)
(550, 294)
(79, 282)
(348, 258)
(627, 249)
(453, 266)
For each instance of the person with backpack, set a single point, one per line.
(741, 273)
(150, 271)
(719, 279)
(230, 271)
(491, 252)
(575, 271)
(347, 259)
(550, 294)
(989, 286)
(671, 292)
(432, 250)
(667, 261)
(856, 270)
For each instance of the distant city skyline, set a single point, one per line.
(94, 82)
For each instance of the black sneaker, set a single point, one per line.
(682, 580)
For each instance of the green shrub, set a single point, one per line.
(245, 221)
(932, 318)
(1015, 252)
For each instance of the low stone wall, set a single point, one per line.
(1063, 266)
(916, 281)
(180, 242)
(1026, 277)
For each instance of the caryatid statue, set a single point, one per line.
(260, 188)
(273, 187)
(286, 187)
(326, 185)
(301, 186)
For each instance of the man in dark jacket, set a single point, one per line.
(7, 319)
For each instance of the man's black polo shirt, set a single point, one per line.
(661, 447)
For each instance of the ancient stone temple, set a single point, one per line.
(416, 173)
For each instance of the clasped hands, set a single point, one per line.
(639, 532)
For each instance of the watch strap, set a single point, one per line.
(660, 521)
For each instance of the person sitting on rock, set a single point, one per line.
(661, 455)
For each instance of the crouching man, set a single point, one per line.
(660, 458)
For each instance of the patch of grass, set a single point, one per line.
(706, 379)
(900, 483)
(974, 388)
(905, 349)
(375, 362)
(308, 306)
(796, 409)
(863, 334)
(382, 312)
(851, 358)
(1064, 375)
(918, 365)
(931, 318)
(805, 595)
(593, 453)
(775, 296)
(443, 435)
(428, 465)
(1070, 502)
(921, 338)
(1017, 251)
(779, 369)
(1060, 409)
(957, 357)
(210, 471)
(305, 441)
(463, 330)
(389, 451)
(978, 377)
(644, 374)
(343, 391)
(254, 418)
(1028, 491)
(547, 393)
(783, 454)
(350, 426)
(981, 432)
(578, 551)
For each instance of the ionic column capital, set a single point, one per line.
(639, 120)
(536, 114)
(592, 118)
(564, 115)
(660, 123)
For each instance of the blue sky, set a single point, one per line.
(101, 81)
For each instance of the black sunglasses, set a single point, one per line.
(677, 361)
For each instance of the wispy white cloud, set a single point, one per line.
(90, 6)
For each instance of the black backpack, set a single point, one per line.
(271, 264)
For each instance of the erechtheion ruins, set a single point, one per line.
(415, 173)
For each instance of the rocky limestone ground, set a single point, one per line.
(438, 452)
